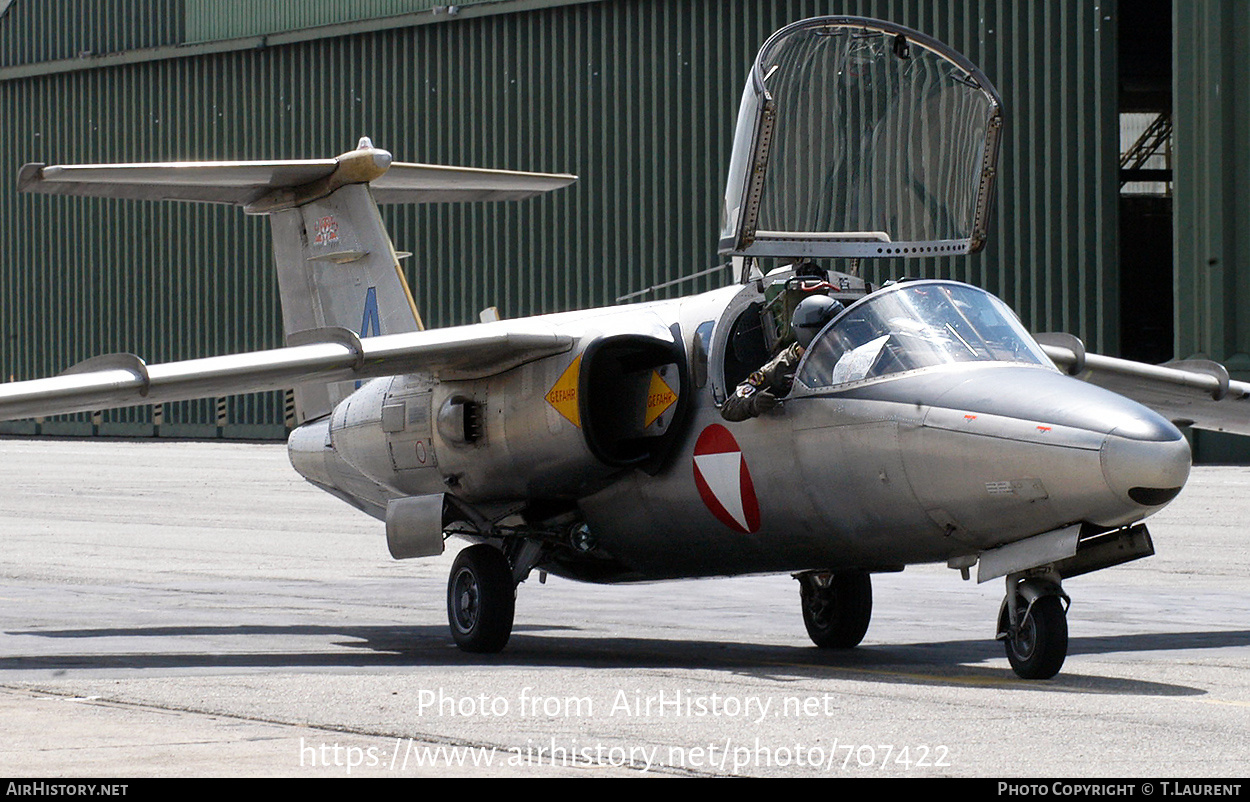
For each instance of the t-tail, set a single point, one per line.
(339, 275)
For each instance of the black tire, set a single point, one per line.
(1038, 648)
(836, 614)
(481, 599)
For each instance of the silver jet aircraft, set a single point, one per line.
(922, 424)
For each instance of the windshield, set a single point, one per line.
(914, 326)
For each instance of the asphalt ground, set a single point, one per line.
(196, 609)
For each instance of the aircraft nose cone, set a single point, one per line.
(1146, 463)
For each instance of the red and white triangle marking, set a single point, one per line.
(724, 481)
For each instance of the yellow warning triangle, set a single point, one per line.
(563, 394)
(659, 398)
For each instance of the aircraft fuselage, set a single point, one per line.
(918, 465)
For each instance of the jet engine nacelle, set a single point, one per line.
(554, 428)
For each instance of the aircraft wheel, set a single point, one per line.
(1036, 650)
(836, 608)
(481, 599)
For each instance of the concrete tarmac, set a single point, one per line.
(196, 609)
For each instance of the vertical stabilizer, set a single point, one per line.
(337, 269)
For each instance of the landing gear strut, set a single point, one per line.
(836, 607)
(1033, 625)
(481, 599)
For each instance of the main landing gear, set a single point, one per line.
(481, 599)
(1033, 626)
(836, 607)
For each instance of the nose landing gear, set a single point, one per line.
(1033, 625)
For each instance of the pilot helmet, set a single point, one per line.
(811, 315)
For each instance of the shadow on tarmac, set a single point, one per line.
(940, 662)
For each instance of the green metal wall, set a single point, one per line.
(34, 31)
(213, 20)
(1212, 184)
(1211, 91)
(637, 97)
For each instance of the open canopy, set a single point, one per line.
(860, 138)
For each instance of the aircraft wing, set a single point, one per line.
(327, 355)
(1195, 392)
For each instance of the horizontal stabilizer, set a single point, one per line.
(211, 182)
(1194, 393)
(266, 186)
(432, 183)
(124, 380)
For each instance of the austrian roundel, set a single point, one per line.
(723, 480)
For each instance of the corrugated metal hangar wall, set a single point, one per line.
(637, 97)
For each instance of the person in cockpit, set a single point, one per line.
(764, 389)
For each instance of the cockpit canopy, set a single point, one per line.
(916, 325)
(860, 138)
